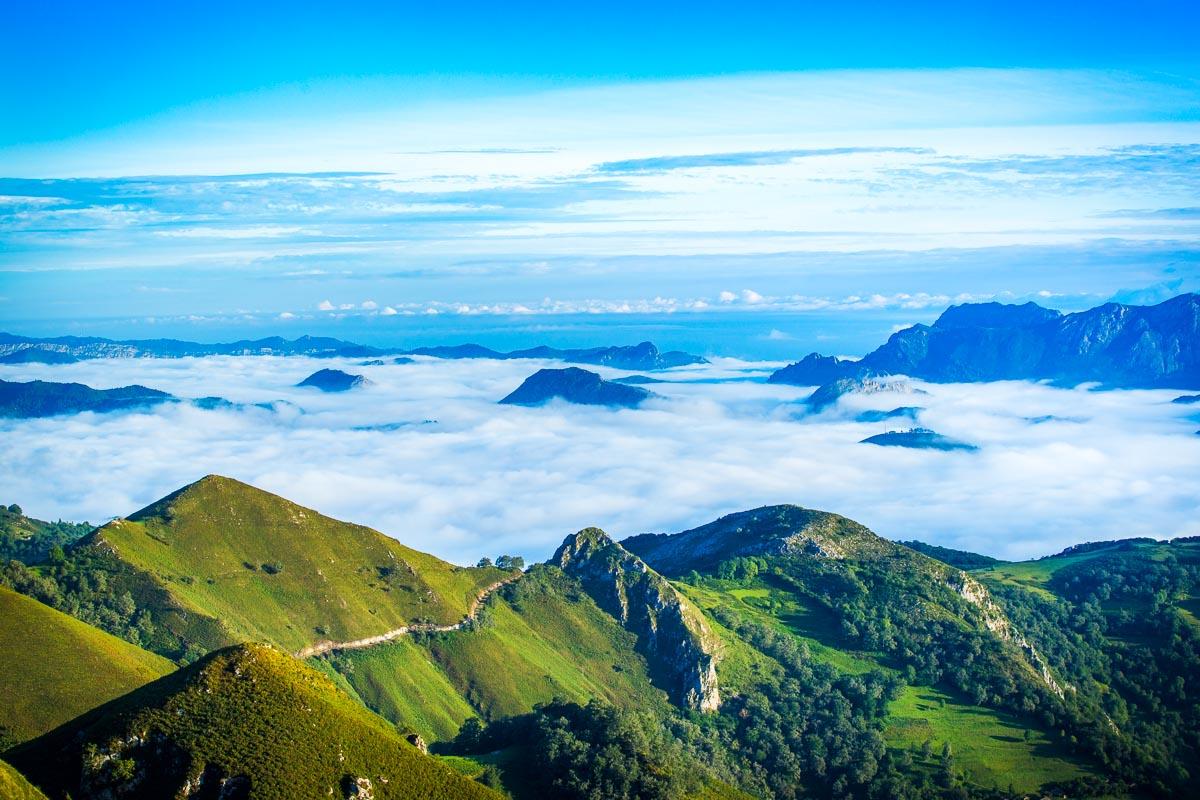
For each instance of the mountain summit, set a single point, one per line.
(242, 563)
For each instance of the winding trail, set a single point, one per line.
(320, 648)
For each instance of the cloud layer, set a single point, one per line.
(426, 455)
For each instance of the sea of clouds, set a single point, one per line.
(425, 454)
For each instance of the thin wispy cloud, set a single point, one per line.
(760, 158)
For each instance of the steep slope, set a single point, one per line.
(818, 544)
(247, 722)
(575, 385)
(536, 639)
(13, 785)
(269, 570)
(54, 667)
(675, 637)
(47, 399)
(1114, 344)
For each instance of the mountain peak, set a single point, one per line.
(995, 315)
(259, 567)
(769, 530)
(671, 633)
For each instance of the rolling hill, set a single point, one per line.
(244, 564)
(792, 652)
(246, 722)
(54, 667)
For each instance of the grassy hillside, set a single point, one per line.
(989, 746)
(250, 721)
(54, 667)
(13, 785)
(538, 639)
(270, 570)
(992, 748)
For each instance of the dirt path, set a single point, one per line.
(320, 648)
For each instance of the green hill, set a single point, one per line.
(536, 640)
(13, 785)
(792, 652)
(54, 667)
(245, 722)
(258, 567)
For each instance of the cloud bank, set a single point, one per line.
(427, 456)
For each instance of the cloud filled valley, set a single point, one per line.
(425, 454)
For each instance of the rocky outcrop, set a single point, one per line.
(828, 394)
(681, 649)
(996, 621)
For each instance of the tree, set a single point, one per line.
(507, 562)
(484, 563)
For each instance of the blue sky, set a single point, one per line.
(401, 160)
(84, 66)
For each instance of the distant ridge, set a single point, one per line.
(48, 399)
(1113, 344)
(640, 356)
(65, 349)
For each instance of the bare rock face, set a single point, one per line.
(416, 741)
(672, 634)
(358, 788)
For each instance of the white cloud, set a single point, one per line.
(727, 297)
(777, 335)
(287, 315)
(369, 305)
(484, 478)
(325, 305)
(751, 296)
(388, 311)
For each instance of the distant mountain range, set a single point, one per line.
(575, 385)
(639, 356)
(66, 349)
(1115, 345)
(224, 642)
